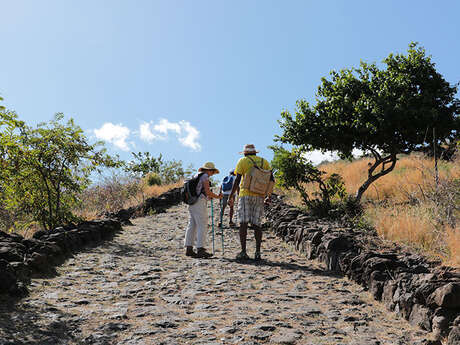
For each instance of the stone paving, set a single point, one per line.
(140, 288)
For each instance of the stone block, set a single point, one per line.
(421, 316)
(447, 296)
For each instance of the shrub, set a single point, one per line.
(153, 179)
(293, 170)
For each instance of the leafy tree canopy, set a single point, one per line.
(169, 171)
(46, 168)
(382, 111)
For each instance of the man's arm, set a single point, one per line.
(236, 185)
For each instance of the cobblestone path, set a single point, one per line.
(141, 289)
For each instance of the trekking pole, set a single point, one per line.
(222, 227)
(212, 225)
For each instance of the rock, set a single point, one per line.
(420, 316)
(447, 296)
(11, 253)
(22, 271)
(388, 292)
(457, 321)
(454, 336)
(258, 334)
(376, 284)
(440, 326)
(166, 324)
(7, 277)
(266, 327)
(38, 261)
(288, 338)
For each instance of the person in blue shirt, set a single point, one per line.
(226, 189)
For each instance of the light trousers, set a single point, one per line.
(197, 228)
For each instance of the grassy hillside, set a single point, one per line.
(116, 193)
(407, 207)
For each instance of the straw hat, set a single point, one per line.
(209, 166)
(249, 148)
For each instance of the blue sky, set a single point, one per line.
(196, 80)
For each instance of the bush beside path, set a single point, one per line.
(140, 288)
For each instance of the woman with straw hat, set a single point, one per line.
(197, 228)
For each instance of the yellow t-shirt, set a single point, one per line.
(244, 165)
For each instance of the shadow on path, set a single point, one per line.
(22, 323)
(289, 266)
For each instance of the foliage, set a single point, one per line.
(117, 191)
(111, 194)
(384, 112)
(293, 170)
(143, 163)
(153, 179)
(169, 171)
(45, 168)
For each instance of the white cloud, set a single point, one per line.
(317, 157)
(191, 136)
(165, 126)
(146, 134)
(114, 134)
(186, 134)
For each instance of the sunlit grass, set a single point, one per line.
(406, 206)
(116, 193)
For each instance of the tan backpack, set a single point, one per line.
(258, 180)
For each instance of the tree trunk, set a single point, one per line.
(391, 159)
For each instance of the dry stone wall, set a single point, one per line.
(423, 292)
(21, 258)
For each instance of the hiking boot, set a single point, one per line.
(203, 254)
(257, 256)
(219, 225)
(242, 256)
(189, 252)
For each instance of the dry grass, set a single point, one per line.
(406, 206)
(116, 193)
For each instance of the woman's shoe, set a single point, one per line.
(189, 252)
(257, 256)
(203, 254)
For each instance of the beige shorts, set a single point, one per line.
(251, 209)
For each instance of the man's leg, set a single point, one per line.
(258, 237)
(256, 217)
(242, 218)
(243, 236)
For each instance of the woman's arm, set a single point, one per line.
(208, 191)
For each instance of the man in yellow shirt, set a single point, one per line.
(250, 205)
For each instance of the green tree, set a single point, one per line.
(381, 111)
(143, 163)
(293, 170)
(46, 168)
(169, 171)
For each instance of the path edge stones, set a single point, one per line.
(22, 259)
(422, 292)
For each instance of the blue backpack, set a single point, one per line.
(227, 184)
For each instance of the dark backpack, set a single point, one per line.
(227, 184)
(188, 192)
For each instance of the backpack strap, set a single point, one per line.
(255, 164)
(202, 185)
